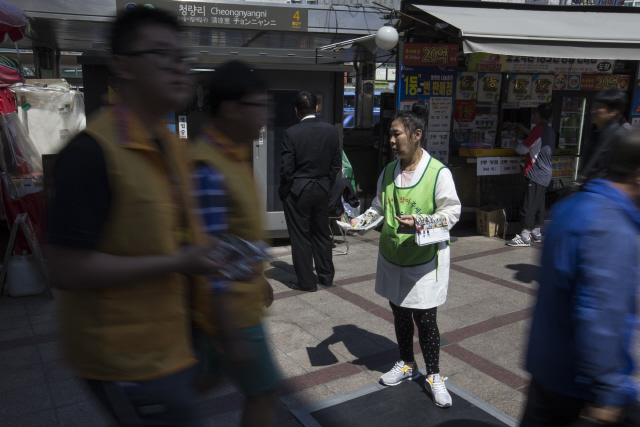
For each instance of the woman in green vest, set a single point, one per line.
(414, 278)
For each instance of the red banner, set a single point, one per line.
(443, 55)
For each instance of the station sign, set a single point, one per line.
(228, 15)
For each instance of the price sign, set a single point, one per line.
(439, 121)
(437, 141)
(509, 165)
(488, 166)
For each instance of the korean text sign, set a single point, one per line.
(229, 15)
(423, 83)
(430, 54)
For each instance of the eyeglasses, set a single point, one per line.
(165, 59)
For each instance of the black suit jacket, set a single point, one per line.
(310, 153)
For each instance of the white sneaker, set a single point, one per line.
(400, 372)
(441, 396)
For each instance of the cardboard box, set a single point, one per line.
(490, 221)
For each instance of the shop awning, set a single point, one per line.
(566, 32)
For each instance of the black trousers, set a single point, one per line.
(532, 212)
(307, 218)
(546, 408)
(428, 334)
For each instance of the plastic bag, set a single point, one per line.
(54, 115)
(20, 157)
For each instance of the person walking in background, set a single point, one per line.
(122, 236)
(538, 146)
(311, 159)
(608, 127)
(579, 353)
(414, 278)
(229, 204)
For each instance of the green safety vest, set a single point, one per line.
(401, 248)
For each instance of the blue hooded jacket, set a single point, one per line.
(585, 314)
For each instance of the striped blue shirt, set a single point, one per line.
(211, 195)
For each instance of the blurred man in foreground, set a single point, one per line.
(579, 351)
(229, 204)
(123, 236)
(608, 128)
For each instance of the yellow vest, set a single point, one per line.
(243, 217)
(140, 330)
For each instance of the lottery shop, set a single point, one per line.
(483, 66)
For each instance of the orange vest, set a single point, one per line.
(243, 217)
(141, 330)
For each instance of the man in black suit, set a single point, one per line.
(311, 159)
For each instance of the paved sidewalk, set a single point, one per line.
(326, 343)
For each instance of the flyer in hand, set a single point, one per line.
(431, 229)
(366, 222)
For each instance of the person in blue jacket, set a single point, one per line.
(579, 350)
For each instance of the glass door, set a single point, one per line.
(572, 119)
(266, 159)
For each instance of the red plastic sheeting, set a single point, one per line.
(7, 99)
(9, 76)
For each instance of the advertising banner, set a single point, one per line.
(541, 87)
(464, 114)
(519, 87)
(489, 85)
(573, 82)
(228, 15)
(636, 98)
(467, 86)
(592, 82)
(562, 167)
(488, 62)
(560, 81)
(430, 54)
(423, 83)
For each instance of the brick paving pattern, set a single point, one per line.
(326, 343)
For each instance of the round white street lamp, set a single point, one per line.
(387, 37)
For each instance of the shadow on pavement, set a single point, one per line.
(526, 273)
(354, 338)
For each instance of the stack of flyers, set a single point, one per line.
(366, 221)
(431, 229)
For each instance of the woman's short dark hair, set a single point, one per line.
(414, 119)
(625, 157)
(232, 82)
(126, 28)
(306, 103)
(614, 99)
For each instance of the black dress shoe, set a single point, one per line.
(329, 286)
(296, 287)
